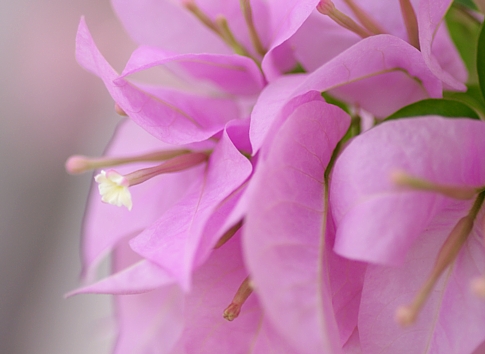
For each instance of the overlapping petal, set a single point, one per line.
(284, 234)
(285, 19)
(439, 53)
(149, 305)
(164, 23)
(234, 74)
(162, 319)
(320, 39)
(301, 241)
(165, 117)
(367, 60)
(275, 23)
(376, 220)
(451, 304)
(106, 225)
(172, 241)
(205, 330)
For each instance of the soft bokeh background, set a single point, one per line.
(51, 108)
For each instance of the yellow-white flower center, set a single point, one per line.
(113, 188)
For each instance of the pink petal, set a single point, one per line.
(150, 322)
(284, 234)
(141, 277)
(234, 74)
(214, 285)
(319, 40)
(285, 19)
(346, 282)
(443, 54)
(209, 111)
(166, 320)
(105, 225)
(374, 93)
(159, 116)
(480, 349)
(172, 241)
(269, 341)
(353, 344)
(168, 25)
(238, 131)
(213, 231)
(149, 311)
(267, 108)
(370, 57)
(452, 319)
(231, 10)
(449, 59)
(377, 221)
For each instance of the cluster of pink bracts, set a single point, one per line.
(260, 218)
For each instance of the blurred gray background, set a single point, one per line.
(50, 109)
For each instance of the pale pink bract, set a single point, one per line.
(313, 224)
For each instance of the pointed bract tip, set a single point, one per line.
(77, 164)
(120, 110)
(405, 316)
(70, 294)
(478, 287)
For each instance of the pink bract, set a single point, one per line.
(167, 24)
(366, 204)
(436, 46)
(286, 226)
(401, 230)
(389, 65)
(172, 241)
(172, 116)
(330, 245)
(106, 225)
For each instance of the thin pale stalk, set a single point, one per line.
(326, 7)
(178, 163)
(253, 33)
(410, 21)
(406, 315)
(233, 310)
(364, 18)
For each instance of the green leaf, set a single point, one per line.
(332, 100)
(433, 106)
(464, 31)
(297, 69)
(468, 3)
(472, 97)
(481, 60)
